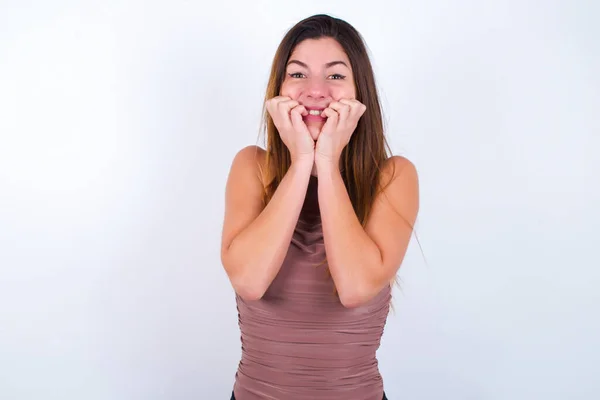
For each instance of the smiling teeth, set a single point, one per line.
(314, 112)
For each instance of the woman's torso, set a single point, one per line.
(298, 340)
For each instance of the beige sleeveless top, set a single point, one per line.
(298, 340)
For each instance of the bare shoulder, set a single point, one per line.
(395, 207)
(399, 187)
(399, 171)
(243, 193)
(248, 161)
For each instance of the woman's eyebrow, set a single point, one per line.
(332, 63)
(300, 63)
(327, 65)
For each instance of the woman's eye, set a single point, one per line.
(300, 75)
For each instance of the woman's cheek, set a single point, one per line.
(291, 90)
(344, 93)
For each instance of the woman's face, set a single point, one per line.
(317, 73)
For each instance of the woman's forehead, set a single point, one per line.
(317, 52)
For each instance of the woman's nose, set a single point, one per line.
(316, 88)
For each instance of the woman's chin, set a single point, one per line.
(314, 131)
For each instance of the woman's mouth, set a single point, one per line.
(314, 115)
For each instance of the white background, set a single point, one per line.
(118, 124)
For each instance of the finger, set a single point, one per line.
(357, 108)
(301, 110)
(279, 99)
(332, 119)
(283, 110)
(343, 110)
(286, 106)
(296, 118)
(272, 104)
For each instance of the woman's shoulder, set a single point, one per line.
(251, 158)
(251, 153)
(396, 166)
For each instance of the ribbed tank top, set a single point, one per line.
(298, 340)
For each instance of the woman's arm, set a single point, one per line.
(255, 239)
(363, 261)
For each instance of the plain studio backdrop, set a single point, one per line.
(118, 124)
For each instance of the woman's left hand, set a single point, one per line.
(342, 119)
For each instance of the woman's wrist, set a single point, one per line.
(304, 159)
(303, 164)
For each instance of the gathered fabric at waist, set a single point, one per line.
(298, 340)
(383, 398)
(291, 353)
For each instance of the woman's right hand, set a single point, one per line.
(287, 116)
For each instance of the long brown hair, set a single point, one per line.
(362, 159)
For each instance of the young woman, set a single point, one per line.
(317, 225)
